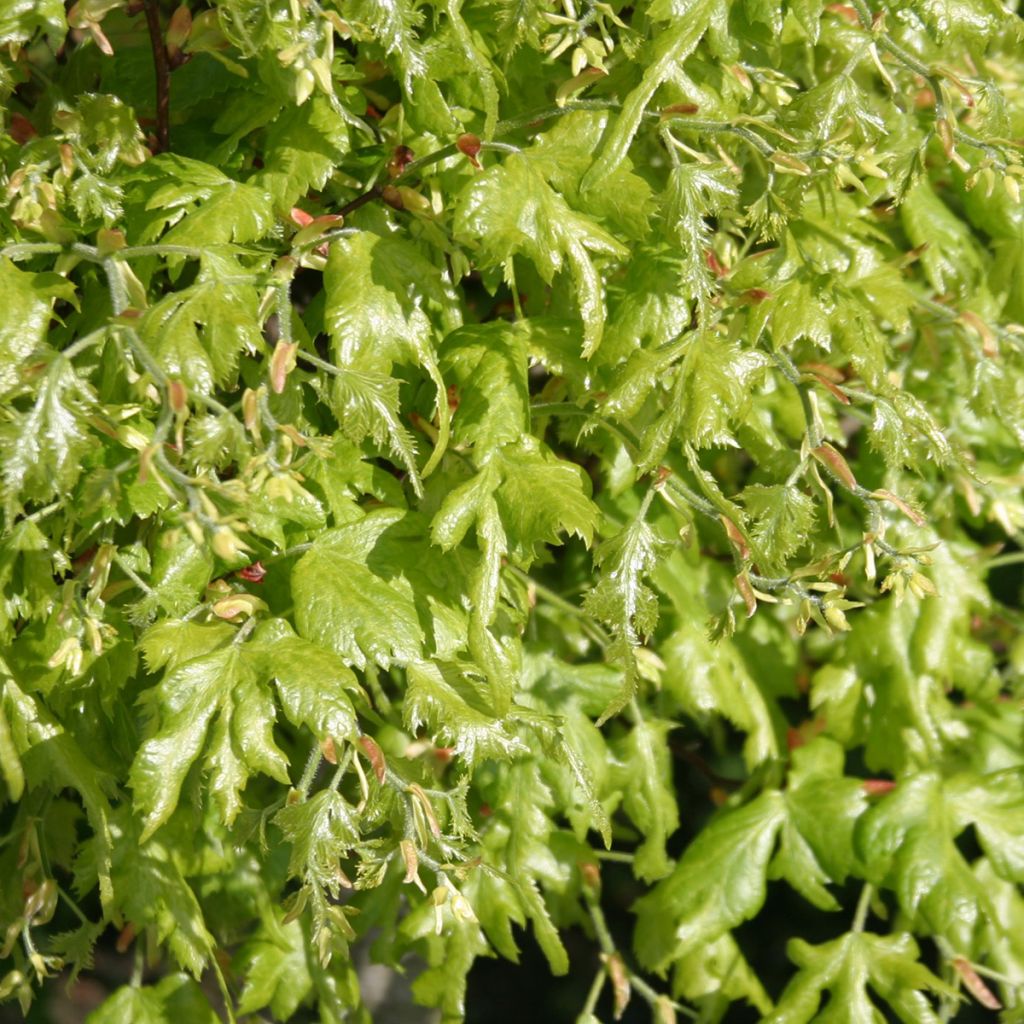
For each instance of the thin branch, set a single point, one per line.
(163, 76)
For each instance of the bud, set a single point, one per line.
(39, 907)
(177, 394)
(93, 635)
(835, 618)
(282, 362)
(412, 200)
(411, 864)
(195, 531)
(227, 546)
(400, 160)
(10, 983)
(572, 87)
(439, 897)
(109, 241)
(461, 908)
(392, 197)
(250, 412)
(322, 73)
(253, 573)
(285, 487)
(130, 437)
(238, 606)
(179, 28)
(69, 654)
(304, 84)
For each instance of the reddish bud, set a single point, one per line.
(679, 108)
(591, 872)
(469, 145)
(253, 573)
(21, 129)
(126, 937)
(974, 984)
(877, 787)
(282, 362)
(715, 264)
(844, 11)
(177, 394)
(375, 756)
(400, 160)
(392, 197)
(836, 464)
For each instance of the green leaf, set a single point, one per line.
(719, 969)
(718, 883)
(846, 967)
(393, 24)
(380, 290)
(198, 333)
(303, 146)
(28, 305)
(344, 606)
(151, 891)
(105, 128)
(623, 601)
(647, 794)
(539, 497)
(20, 19)
(76, 947)
(907, 843)
(173, 998)
(367, 405)
(563, 155)
(131, 1003)
(994, 805)
(321, 830)
(217, 704)
(276, 971)
(450, 708)
(510, 210)
(41, 449)
(206, 206)
(781, 520)
(486, 364)
(950, 257)
(975, 22)
(311, 684)
(672, 47)
(694, 193)
(812, 852)
(711, 678)
(713, 388)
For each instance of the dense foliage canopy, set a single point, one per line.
(453, 448)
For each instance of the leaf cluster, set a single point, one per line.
(447, 448)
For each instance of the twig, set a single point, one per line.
(163, 76)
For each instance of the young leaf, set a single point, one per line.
(847, 966)
(510, 210)
(718, 883)
(623, 601)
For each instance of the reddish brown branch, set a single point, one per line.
(163, 76)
